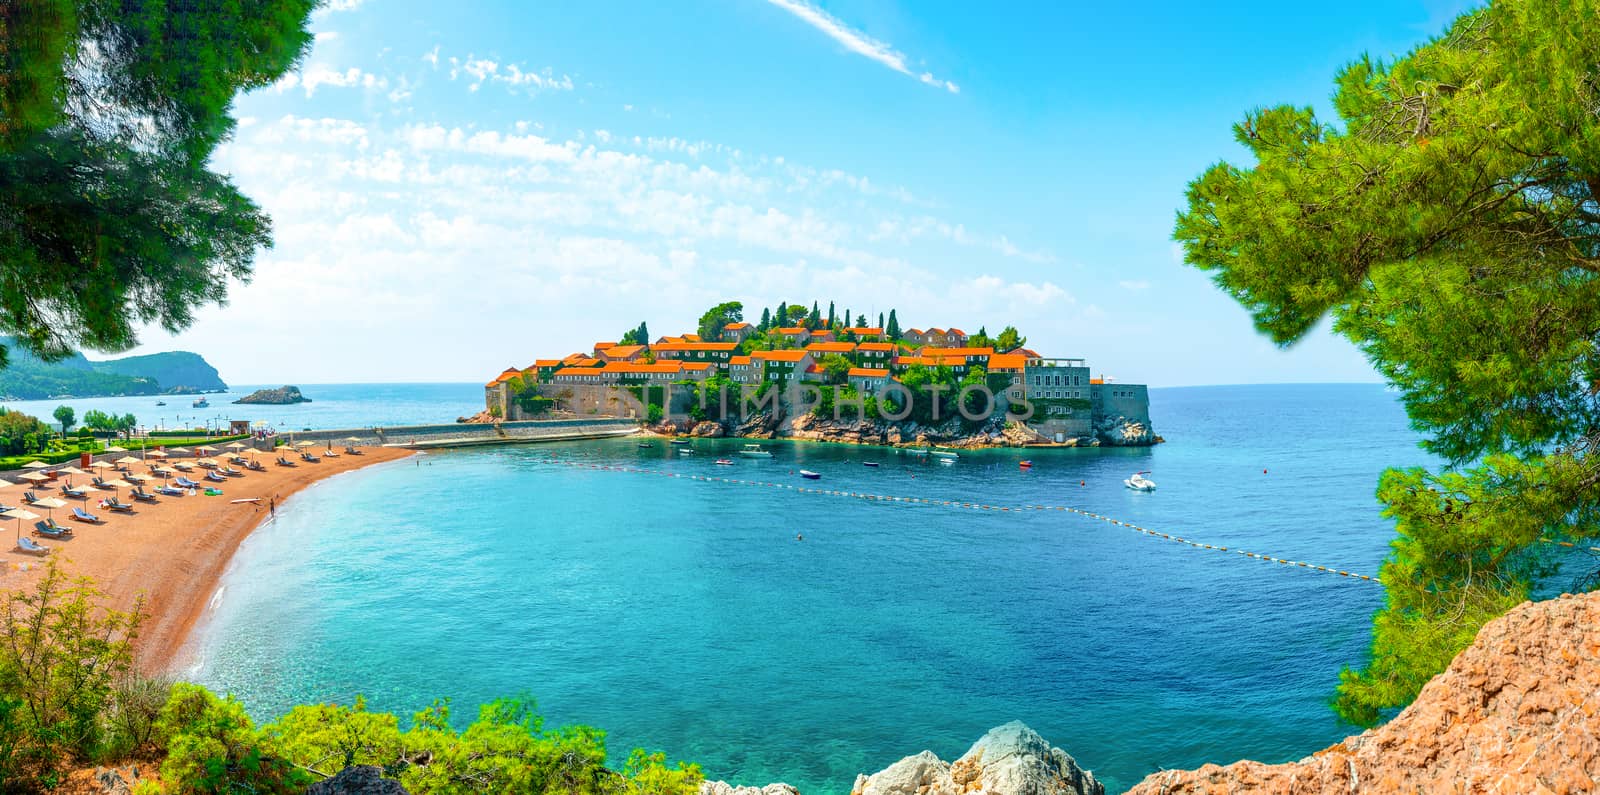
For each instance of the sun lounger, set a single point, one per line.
(351, 451)
(182, 467)
(141, 495)
(329, 454)
(170, 491)
(231, 472)
(31, 547)
(50, 530)
(215, 478)
(309, 457)
(186, 483)
(284, 462)
(77, 494)
(256, 465)
(119, 506)
(84, 516)
(29, 497)
(98, 482)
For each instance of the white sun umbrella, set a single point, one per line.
(238, 446)
(305, 444)
(34, 477)
(116, 449)
(127, 459)
(72, 471)
(117, 484)
(6, 484)
(206, 448)
(137, 478)
(179, 450)
(50, 504)
(21, 516)
(101, 465)
(35, 465)
(155, 454)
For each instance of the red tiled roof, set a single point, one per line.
(876, 346)
(735, 326)
(831, 347)
(868, 372)
(1007, 361)
(779, 356)
(864, 331)
(697, 346)
(794, 330)
(946, 353)
(739, 360)
(623, 351)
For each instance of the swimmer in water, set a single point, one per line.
(799, 537)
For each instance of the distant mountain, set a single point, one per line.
(29, 378)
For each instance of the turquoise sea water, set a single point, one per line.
(684, 616)
(331, 406)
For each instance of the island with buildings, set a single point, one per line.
(820, 377)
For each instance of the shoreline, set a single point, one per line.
(174, 553)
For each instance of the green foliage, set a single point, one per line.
(711, 323)
(21, 434)
(61, 655)
(655, 413)
(1009, 340)
(1450, 225)
(892, 330)
(64, 415)
(933, 392)
(109, 113)
(766, 320)
(836, 367)
(636, 336)
(214, 747)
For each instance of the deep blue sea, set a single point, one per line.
(684, 616)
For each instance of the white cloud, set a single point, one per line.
(432, 57)
(858, 42)
(514, 76)
(313, 76)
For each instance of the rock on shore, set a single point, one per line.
(1010, 760)
(282, 396)
(1517, 711)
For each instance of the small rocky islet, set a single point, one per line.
(282, 396)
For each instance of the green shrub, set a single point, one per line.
(213, 747)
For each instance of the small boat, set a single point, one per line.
(1138, 482)
(161, 403)
(947, 461)
(1026, 465)
(646, 446)
(724, 462)
(809, 475)
(754, 451)
(948, 455)
(680, 442)
(685, 451)
(200, 403)
(869, 463)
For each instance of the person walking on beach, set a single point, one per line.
(272, 505)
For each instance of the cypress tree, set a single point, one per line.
(893, 329)
(766, 319)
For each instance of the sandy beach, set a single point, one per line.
(173, 552)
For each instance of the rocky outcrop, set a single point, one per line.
(1517, 711)
(708, 430)
(358, 780)
(1010, 760)
(282, 396)
(1124, 432)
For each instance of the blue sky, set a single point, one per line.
(461, 187)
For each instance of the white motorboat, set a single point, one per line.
(754, 451)
(1138, 482)
(948, 455)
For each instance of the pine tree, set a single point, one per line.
(766, 319)
(811, 319)
(861, 320)
(893, 329)
(783, 314)
(830, 314)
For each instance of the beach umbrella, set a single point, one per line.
(35, 465)
(101, 465)
(305, 444)
(116, 449)
(21, 516)
(206, 448)
(35, 477)
(155, 454)
(238, 446)
(6, 484)
(179, 450)
(50, 504)
(352, 438)
(72, 471)
(127, 459)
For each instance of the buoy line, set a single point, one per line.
(967, 505)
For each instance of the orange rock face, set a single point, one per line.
(1517, 712)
